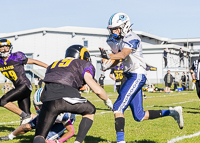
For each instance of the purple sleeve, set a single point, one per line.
(22, 57)
(89, 68)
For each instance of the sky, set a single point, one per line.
(163, 18)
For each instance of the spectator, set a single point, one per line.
(176, 81)
(187, 83)
(168, 81)
(183, 81)
(181, 56)
(36, 83)
(40, 82)
(101, 80)
(165, 56)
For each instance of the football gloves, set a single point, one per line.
(108, 102)
(104, 54)
(106, 64)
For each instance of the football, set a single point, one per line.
(113, 62)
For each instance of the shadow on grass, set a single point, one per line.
(193, 112)
(88, 139)
(103, 109)
(25, 138)
(139, 141)
(6, 128)
(142, 141)
(91, 139)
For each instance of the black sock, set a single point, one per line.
(39, 139)
(153, 114)
(84, 127)
(23, 114)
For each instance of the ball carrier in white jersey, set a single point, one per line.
(126, 45)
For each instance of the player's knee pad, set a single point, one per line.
(39, 139)
(119, 124)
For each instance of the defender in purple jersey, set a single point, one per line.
(12, 67)
(62, 80)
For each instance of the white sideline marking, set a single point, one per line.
(183, 137)
(177, 103)
(168, 95)
(12, 122)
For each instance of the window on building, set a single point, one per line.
(85, 43)
(185, 45)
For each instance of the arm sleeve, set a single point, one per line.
(132, 44)
(22, 57)
(88, 67)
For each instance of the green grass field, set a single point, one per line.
(160, 130)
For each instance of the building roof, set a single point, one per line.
(74, 30)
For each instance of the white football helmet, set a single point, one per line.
(119, 20)
(5, 42)
(36, 100)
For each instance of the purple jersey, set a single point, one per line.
(118, 72)
(13, 69)
(69, 72)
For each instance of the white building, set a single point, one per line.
(50, 44)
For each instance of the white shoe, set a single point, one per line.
(177, 114)
(25, 119)
(76, 142)
(121, 142)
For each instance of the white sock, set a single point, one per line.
(11, 136)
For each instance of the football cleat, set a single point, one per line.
(177, 114)
(5, 138)
(25, 120)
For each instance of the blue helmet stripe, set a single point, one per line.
(110, 20)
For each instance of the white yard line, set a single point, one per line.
(183, 137)
(12, 122)
(192, 100)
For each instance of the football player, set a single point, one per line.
(126, 45)
(12, 67)
(118, 77)
(62, 80)
(64, 121)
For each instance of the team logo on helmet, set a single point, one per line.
(119, 20)
(122, 18)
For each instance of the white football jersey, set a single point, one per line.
(134, 62)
